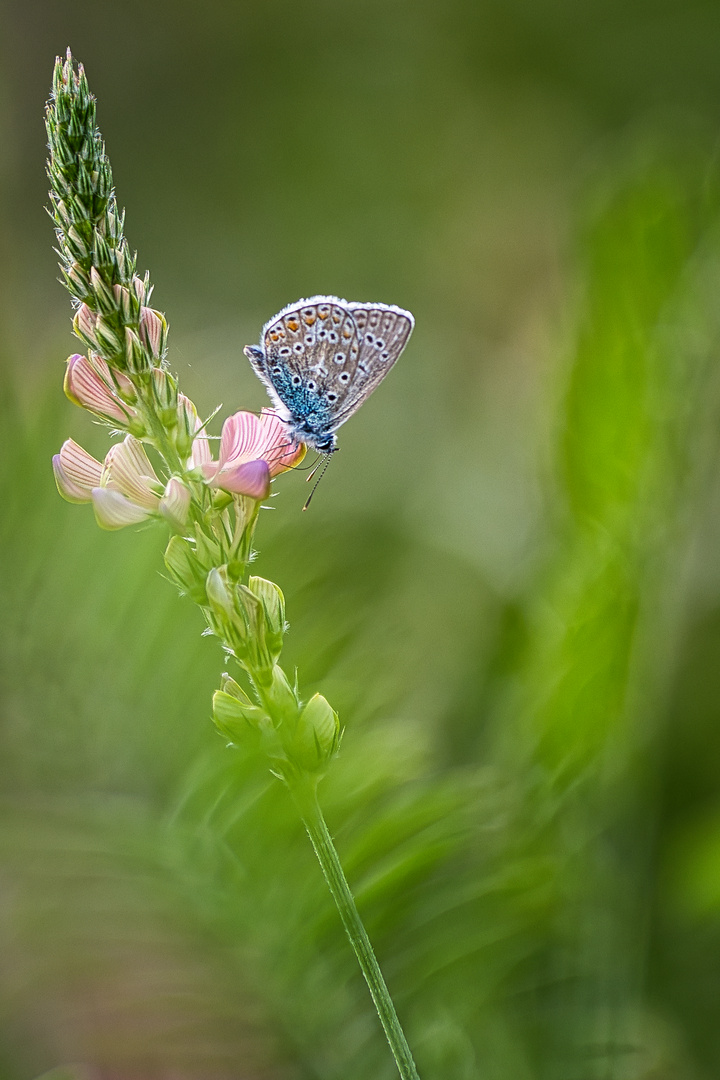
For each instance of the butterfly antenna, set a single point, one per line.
(315, 485)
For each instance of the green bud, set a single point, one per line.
(273, 602)
(104, 295)
(280, 699)
(260, 658)
(134, 353)
(108, 342)
(185, 569)
(206, 549)
(317, 735)
(233, 711)
(165, 393)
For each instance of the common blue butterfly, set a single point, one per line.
(322, 357)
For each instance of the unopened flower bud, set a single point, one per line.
(84, 325)
(273, 602)
(186, 569)
(134, 355)
(125, 302)
(77, 280)
(165, 393)
(281, 698)
(103, 293)
(234, 714)
(76, 244)
(317, 735)
(138, 288)
(107, 341)
(153, 331)
(207, 549)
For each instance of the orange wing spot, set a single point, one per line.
(309, 319)
(337, 315)
(274, 336)
(292, 324)
(347, 332)
(323, 312)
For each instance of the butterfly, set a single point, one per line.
(321, 358)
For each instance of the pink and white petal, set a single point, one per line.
(175, 503)
(85, 386)
(80, 467)
(70, 491)
(280, 450)
(128, 468)
(114, 511)
(201, 454)
(242, 438)
(248, 478)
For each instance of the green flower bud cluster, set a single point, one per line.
(298, 739)
(250, 619)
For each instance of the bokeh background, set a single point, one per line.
(508, 583)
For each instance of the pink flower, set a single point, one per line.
(253, 449)
(90, 384)
(124, 490)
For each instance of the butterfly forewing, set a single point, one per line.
(315, 342)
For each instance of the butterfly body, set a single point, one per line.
(321, 358)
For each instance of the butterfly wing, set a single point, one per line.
(384, 331)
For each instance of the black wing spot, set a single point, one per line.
(344, 377)
(296, 380)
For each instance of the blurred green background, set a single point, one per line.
(508, 584)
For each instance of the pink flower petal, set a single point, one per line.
(249, 478)
(114, 511)
(128, 468)
(69, 490)
(89, 385)
(80, 469)
(242, 438)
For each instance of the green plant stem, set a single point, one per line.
(306, 801)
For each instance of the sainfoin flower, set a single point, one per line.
(124, 490)
(253, 449)
(90, 383)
